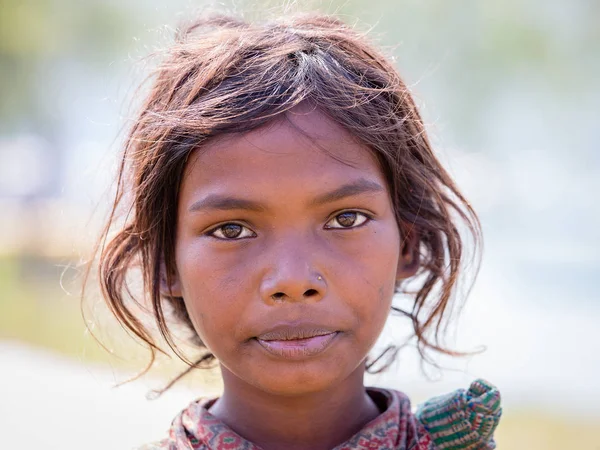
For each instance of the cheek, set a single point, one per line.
(368, 279)
(381, 266)
(213, 291)
(376, 259)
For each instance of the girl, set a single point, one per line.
(282, 190)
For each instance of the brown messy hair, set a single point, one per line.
(225, 75)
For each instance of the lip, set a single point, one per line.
(296, 342)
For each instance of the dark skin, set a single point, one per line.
(296, 233)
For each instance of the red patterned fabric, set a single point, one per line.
(395, 429)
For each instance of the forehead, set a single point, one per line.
(303, 150)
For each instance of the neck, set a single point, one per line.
(319, 420)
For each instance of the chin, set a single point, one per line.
(294, 378)
(302, 381)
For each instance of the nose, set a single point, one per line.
(291, 275)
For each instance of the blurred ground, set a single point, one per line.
(49, 401)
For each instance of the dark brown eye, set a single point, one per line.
(232, 231)
(348, 219)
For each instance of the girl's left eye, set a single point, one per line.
(348, 219)
(231, 232)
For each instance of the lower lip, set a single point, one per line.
(298, 348)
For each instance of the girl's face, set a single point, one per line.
(287, 253)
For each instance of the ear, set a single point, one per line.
(170, 286)
(409, 260)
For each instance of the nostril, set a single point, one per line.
(310, 293)
(278, 296)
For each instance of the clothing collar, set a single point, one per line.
(396, 428)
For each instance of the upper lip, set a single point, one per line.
(289, 332)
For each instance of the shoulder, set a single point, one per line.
(463, 419)
(188, 429)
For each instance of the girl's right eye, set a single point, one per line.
(231, 232)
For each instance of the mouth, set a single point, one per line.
(296, 342)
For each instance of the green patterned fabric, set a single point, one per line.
(463, 419)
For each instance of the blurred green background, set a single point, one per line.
(510, 91)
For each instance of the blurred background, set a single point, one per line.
(510, 91)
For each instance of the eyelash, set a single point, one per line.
(366, 218)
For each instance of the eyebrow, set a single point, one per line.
(226, 203)
(360, 186)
